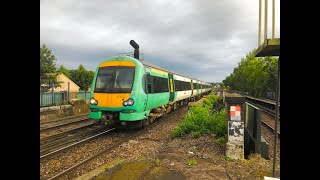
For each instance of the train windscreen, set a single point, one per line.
(114, 79)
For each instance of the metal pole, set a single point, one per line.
(259, 31)
(68, 92)
(52, 93)
(276, 122)
(273, 17)
(265, 19)
(41, 97)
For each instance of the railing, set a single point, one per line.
(59, 98)
(48, 97)
(254, 142)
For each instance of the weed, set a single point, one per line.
(157, 161)
(221, 141)
(192, 162)
(196, 134)
(227, 158)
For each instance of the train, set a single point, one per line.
(129, 93)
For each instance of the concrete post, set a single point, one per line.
(235, 105)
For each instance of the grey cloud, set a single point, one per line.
(203, 39)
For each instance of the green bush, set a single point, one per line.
(219, 123)
(200, 120)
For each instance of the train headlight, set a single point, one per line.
(93, 101)
(128, 102)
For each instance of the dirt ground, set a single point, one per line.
(180, 158)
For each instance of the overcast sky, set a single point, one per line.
(204, 39)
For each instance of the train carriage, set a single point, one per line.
(129, 93)
(183, 89)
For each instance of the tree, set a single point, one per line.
(65, 71)
(47, 66)
(254, 75)
(82, 77)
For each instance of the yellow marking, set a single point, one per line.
(111, 100)
(171, 86)
(117, 63)
(158, 71)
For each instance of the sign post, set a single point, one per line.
(235, 119)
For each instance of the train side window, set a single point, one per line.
(160, 84)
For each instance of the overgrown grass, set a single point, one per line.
(227, 158)
(221, 141)
(157, 161)
(202, 120)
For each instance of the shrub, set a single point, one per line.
(200, 120)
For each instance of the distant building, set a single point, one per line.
(63, 80)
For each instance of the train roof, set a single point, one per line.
(148, 64)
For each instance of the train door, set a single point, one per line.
(171, 87)
(149, 90)
(192, 88)
(197, 85)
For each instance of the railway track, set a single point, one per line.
(52, 145)
(113, 141)
(63, 118)
(271, 128)
(58, 125)
(267, 106)
(62, 134)
(107, 149)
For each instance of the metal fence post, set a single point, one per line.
(257, 114)
(62, 96)
(52, 93)
(68, 92)
(41, 98)
(276, 122)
